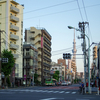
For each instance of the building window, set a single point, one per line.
(27, 49)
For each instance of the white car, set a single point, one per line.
(69, 82)
(64, 83)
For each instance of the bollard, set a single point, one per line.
(85, 89)
(98, 91)
(90, 90)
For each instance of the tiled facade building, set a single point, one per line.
(42, 40)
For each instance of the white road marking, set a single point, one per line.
(73, 92)
(62, 92)
(67, 92)
(55, 91)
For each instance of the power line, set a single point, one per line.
(62, 53)
(85, 10)
(87, 19)
(65, 49)
(44, 8)
(79, 10)
(57, 12)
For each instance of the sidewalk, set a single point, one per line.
(17, 87)
(93, 89)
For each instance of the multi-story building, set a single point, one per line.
(64, 68)
(57, 67)
(11, 21)
(30, 62)
(42, 40)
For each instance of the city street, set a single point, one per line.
(46, 93)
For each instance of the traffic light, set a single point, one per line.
(94, 52)
(66, 56)
(4, 60)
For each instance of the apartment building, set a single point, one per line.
(30, 62)
(42, 40)
(11, 21)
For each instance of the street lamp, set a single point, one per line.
(70, 27)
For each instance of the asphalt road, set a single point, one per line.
(46, 93)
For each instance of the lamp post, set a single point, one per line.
(70, 27)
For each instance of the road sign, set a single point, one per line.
(4, 60)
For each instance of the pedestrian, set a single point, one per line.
(82, 85)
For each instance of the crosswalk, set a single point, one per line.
(38, 91)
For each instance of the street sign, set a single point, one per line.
(4, 60)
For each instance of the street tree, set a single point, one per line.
(7, 67)
(56, 75)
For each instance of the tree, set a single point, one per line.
(56, 75)
(7, 67)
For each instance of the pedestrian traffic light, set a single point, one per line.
(4, 60)
(66, 56)
(94, 52)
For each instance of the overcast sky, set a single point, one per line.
(56, 15)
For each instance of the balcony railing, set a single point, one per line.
(16, 55)
(14, 9)
(13, 18)
(47, 71)
(15, 37)
(48, 47)
(48, 53)
(13, 27)
(39, 72)
(47, 40)
(47, 65)
(14, 46)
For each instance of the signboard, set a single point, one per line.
(24, 77)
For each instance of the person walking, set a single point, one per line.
(82, 85)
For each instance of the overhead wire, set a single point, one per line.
(79, 10)
(45, 8)
(87, 20)
(56, 12)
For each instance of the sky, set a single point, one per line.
(56, 15)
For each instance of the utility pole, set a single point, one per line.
(0, 60)
(82, 27)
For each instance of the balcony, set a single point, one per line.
(38, 39)
(39, 52)
(47, 71)
(32, 37)
(46, 65)
(39, 72)
(14, 9)
(14, 46)
(13, 18)
(47, 40)
(28, 67)
(16, 55)
(46, 58)
(14, 37)
(28, 57)
(39, 59)
(48, 47)
(13, 27)
(48, 53)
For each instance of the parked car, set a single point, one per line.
(64, 83)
